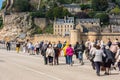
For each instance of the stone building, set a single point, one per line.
(72, 8)
(88, 25)
(114, 21)
(63, 26)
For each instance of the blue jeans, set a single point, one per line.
(80, 55)
(97, 67)
(69, 58)
(66, 59)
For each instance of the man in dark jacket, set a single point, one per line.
(109, 59)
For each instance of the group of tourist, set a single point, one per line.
(99, 53)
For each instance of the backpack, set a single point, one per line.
(44, 48)
(80, 47)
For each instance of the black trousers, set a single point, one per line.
(50, 58)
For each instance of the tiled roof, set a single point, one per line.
(88, 20)
(71, 5)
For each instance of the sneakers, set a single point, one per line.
(98, 74)
(106, 73)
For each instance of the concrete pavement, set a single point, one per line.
(14, 66)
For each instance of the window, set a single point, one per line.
(65, 30)
(68, 26)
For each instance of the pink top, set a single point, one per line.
(69, 51)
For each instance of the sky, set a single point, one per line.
(1, 3)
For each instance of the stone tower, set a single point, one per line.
(74, 36)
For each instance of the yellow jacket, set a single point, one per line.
(64, 49)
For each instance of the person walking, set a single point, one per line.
(50, 54)
(65, 53)
(98, 59)
(76, 50)
(18, 47)
(70, 52)
(109, 59)
(117, 57)
(91, 55)
(37, 48)
(43, 52)
(56, 56)
(81, 49)
(8, 45)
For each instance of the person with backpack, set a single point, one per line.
(76, 50)
(109, 59)
(43, 52)
(98, 59)
(81, 49)
(91, 55)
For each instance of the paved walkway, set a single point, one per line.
(22, 66)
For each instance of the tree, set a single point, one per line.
(58, 12)
(84, 6)
(65, 1)
(116, 10)
(4, 4)
(21, 5)
(99, 5)
(82, 15)
(91, 14)
(118, 2)
(104, 18)
(49, 29)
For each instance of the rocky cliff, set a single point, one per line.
(15, 25)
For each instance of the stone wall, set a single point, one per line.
(51, 38)
(83, 36)
(100, 36)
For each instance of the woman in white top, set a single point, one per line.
(50, 54)
(98, 59)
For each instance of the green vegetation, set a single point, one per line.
(37, 30)
(118, 2)
(104, 18)
(91, 14)
(4, 4)
(116, 10)
(21, 6)
(49, 29)
(53, 8)
(58, 12)
(99, 5)
(37, 14)
(65, 1)
(85, 6)
(1, 23)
